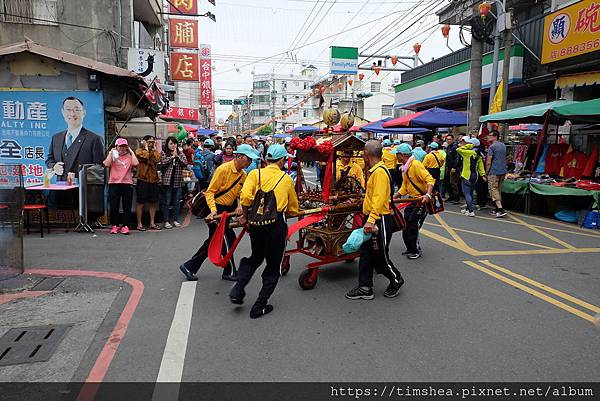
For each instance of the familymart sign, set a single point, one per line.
(343, 60)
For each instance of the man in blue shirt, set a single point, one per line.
(495, 167)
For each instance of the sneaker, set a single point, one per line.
(259, 311)
(393, 289)
(463, 211)
(470, 214)
(236, 296)
(493, 212)
(168, 225)
(114, 230)
(177, 224)
(414, 255)
(360, 293)
(125, 230)
(188, 274)
(501, 213)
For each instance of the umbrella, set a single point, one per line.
(282, 136)
(535, 113)
(379, 127)
(580, 112)
(206, 132)
(433, 118)
(304, 129)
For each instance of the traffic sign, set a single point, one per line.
(225, 102)
(239, 101)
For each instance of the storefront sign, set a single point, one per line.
(343, 60)
(183, 33)
(183, 7)
(137, 61)
(34, 128)
(572, 31)
(182, 113)
(184, 66)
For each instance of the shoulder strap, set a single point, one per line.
(230, 187)
(391, 188)
(413, 184)
(284, 174)
(437, 160)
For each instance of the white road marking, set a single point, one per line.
(171, 366)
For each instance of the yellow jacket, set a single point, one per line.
(285, 193)
(354, 171)
(420, 176)
(223, 177)
(389, 159)
(378, 193)
(430, 162)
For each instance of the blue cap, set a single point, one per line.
(246, 150)
(433, 145)
(474, 141)
(276, 152)
(386, 142)
(404, 149)
(397, 141)
(209, 142)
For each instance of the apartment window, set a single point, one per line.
(304, 113)
(262, 98)
(297, 83)
(39, 12)
(285, 99)
(258, 84)
(283, 112)
(283, 85)
(375, 87)
(305, 85)
(387, 110)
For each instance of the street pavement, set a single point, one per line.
(511, 299)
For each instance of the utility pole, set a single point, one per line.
(273, 97)
(496, 57)
(475, 79)
(506, 64)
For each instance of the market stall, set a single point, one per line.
(432, 118)
(556, 167)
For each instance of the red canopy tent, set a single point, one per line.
(188, 128)
(338, 128)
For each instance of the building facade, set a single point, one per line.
(275, 95)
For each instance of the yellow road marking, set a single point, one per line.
(541, 232)
(558, 223)
(448, 242)
(531, 291)
(505, 221)
(451, 231)
(544, 287)
(495, 236)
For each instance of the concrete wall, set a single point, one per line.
(95, 44)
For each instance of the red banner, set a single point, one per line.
(184, 67)
(183, 113)
(206, 98)
(184, 7)
(183, 33)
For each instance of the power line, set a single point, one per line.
(54, 22)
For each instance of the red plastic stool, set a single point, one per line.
(38, 208)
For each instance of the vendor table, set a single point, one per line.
(525, 187)
(51, 187)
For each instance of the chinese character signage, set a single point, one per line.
(184, 67)
(41, 129)
(183, 33)
(182, 113)
(572, 31)
(205, 83)
(184, 6)
(137, 61)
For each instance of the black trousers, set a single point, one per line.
(116, 194)
(435, 173)
(375, 255)
(267, 243)
(482, 192)
(394, 175)
(193, 265)
(414, 216)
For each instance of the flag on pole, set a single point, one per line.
(497, 101)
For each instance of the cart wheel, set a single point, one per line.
(285, 265)
(308, 279)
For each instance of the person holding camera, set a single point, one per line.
(172, 162)
(147, 187)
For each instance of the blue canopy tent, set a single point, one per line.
(304, 129)
(377, 127)
(433, 118)
(282, 136)
(206, 132)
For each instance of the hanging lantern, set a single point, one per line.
(394, 60)
(417, 48)
(445, 30)
(331, 89)
(340, 85)
(361, 76)
(377, 70)
(484, 9)
(350, 81)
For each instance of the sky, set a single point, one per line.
(247, 31)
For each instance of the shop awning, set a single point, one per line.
(583, 79)
(378, 127)
(534, 113)
(433, 118)
(580, 112)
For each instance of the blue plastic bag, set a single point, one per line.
(569, 216)
(592, 220)
(355, 240)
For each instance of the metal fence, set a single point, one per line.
(12, 194)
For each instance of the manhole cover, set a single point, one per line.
(30, 344)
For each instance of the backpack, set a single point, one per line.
(263, 211)
(200, 167)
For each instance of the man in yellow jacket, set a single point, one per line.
(434, 163)
(416, 183)
(222, 196)
(345, 167)
(374, 253)
(389, 160)
(267, 241)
